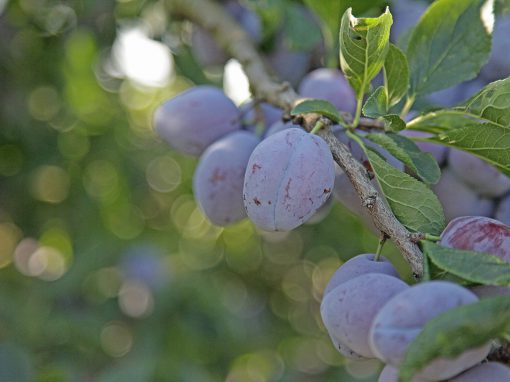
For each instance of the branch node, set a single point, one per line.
(370, 200)
(416, 237)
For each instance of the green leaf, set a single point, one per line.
(317, 106)
(396, 75)
(329, 11)
(487, 141)
(364, 43)
(477, 267)
(393, 122)
(412, 202)
(376, 104)
(492, 103)
(405, 150)
(450, 44)
(453, 332)
(437, 122)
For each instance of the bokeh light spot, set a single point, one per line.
(50, 184)
(73, 144)
(22, 254)
(47, 263)
(101, 180)
(142, 59)
(235, 82)
(116, 339)
(124, 221)
(43, 103)
(163, 174)
(108, 281)
(59, 19)
(135, 299)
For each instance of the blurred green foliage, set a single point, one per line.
(108, 271)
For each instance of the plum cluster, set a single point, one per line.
(204, 122)
(252, 163)
(369, 312)
(255, 164)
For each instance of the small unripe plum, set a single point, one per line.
(194, 119)
(289, 176)
(403, 317)
(478, 233)
(349, 309)
(390, 374)
(489, 371)
(360, 265)
(503, 210)
(438, 151)
(458, 199)
(330, 85)
(218, 178)
(483, 178)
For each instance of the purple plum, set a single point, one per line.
(195, 118)
(402, 318)
(289, 176)
(349, 309)
(218, 178)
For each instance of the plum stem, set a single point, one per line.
(407, 106)
(319, 125)
(380, 246)
(431, 237)
(356, 138)
(357, 116)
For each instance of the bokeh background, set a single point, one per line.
(108, 271)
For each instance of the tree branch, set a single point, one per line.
(235, 41)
